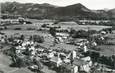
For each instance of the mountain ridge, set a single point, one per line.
(46, 10)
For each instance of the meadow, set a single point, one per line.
(105, 49)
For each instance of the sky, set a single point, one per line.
(91, 4)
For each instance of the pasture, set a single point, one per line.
(85, 27)
(76, 26)
(107, 50)
(64, 25)
(23, 26)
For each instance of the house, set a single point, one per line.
(85, 49)
(102, 38)
(61, 37)
(88, 60)
(71, 68)
(61, 34)
(56, 60)
(33, 52)
(9, 16)
(82, 65)
(80, 41)
(18, 51)
(51, 55)
(67, 23)
(94, 44)
(94, 21)
(66, 60)
(74, 54)
(75, 69)
(103, 32)
(9, 21)
(32, 48)
(2, 38)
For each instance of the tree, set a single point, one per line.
(53, 31)
(90, 32)
(39, 64)
(30, 38)
(22, 37)
(72, 32)
(37, 38)
(80, 34)
(44, 25)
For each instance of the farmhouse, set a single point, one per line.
(67, 23)
(80, 41)
(94, 21)
(11, 16)
(84, 66)
(61, 37)
(56, 61)
(9, 21)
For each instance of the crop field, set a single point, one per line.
(35, 21)
(4, 66)
(75, 26)
(25, 26)
(85, 27)
(24, 32)
(65, 25)
(107, 50)
(31, 29)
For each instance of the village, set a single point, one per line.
(61, 50)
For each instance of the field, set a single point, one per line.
(37, 24)
(107, 50)
(11, 27)
(83, 27)
(4, 66)
(5, 61)
(24, 32)
(30, 29)
(65, 25)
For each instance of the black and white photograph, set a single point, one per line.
(57, 36)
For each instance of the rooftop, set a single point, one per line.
(79, 62)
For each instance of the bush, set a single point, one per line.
(92, 31)
(44, 25)
(52, 31)
(1, 28)
(17, 28)
(37, 38)
(1, 71)
(22, 37)
(28, 22)
(80, 34)
(30, 28)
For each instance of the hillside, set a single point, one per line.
(50, 11)
(112, 13)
